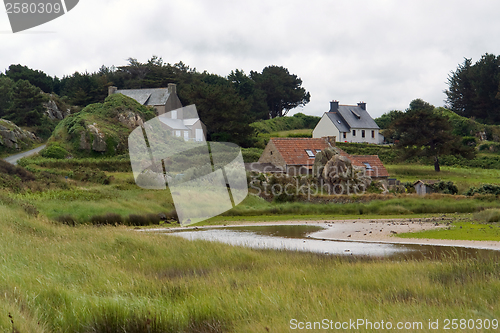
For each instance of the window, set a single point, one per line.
(373, 134)
(339, 121)
(362, 133)
(368, 166)
(353, 132)
(178, 134)
(173, 114)
(318, 151)
(309, 153)
(345, 135)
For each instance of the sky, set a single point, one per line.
(382, 52)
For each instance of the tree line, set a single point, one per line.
(227, 105)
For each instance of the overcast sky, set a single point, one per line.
(383, 52)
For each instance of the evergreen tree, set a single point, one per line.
(474, 89)
(283, 90)
(6, 92)
(423, 132)
(35, 77)
(27, 105)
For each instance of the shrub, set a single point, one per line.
(91, 175)
(54, 151)
(484, 189)
(143, 220)
(66, 219)
(109, 218)
(469, 141)
(445, 187)
(251, 154)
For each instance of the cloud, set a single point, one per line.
(384, 52)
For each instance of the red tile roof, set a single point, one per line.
(377, 168)
(293, 151)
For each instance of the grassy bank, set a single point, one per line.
(63, 279)
(462, 177)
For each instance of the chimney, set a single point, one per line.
(112, 90)
(334, 106)
(362, 105)
(172, 88)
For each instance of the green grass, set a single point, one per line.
(462, 177)
(462, 230)
(60, 279)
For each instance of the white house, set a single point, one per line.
(348, 123)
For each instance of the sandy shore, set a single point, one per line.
(377, 231)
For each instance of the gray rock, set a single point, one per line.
(13, 136)
(99, 142)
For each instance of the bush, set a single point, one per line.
(297, 121)
(54, 151)
(66, 219)
(445, 187)
(91, 175)
(484, 189)
(251, 154)
(143, 220)
(469, 141)
(109, 218)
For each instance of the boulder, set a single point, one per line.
(12, 136)
(99, 142)
(53, 112)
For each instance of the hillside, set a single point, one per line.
(463, 126)
(100, 129)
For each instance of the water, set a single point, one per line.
(298, 238)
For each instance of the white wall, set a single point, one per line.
(324, 128)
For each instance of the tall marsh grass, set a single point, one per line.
(56, 278)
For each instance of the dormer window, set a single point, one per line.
(355, 114)
(309, 153)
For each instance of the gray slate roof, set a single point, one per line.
(338, 121)
(151, 96)
(348, 116)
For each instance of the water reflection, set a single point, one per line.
(290, 237)
(297, 238)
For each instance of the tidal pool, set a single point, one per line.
(299, 238)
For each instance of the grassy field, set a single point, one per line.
(56, 278)
(462, 177)
(85, 278)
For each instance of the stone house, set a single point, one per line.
(181, 121)
(162, 99)
(296, 156)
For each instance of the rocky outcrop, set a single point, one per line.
(53, 112)
(14, 137)
(130, 119)
(98, 139)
